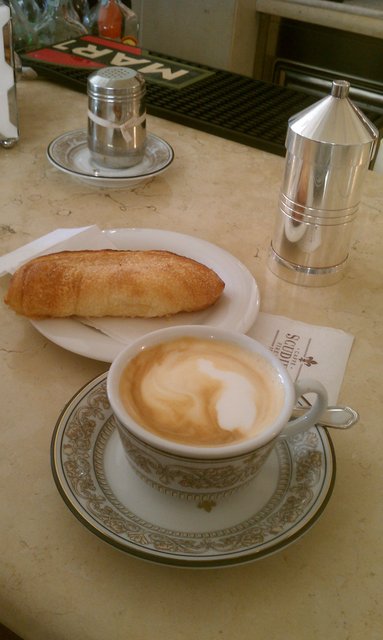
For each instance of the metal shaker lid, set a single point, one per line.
(115, 82)
(333, 120)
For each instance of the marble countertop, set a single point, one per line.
(59, 581)
(358, 16)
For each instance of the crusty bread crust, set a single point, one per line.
(108, 282)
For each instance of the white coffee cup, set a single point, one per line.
(195, 470)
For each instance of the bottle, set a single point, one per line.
(329, 148)
(31, 10)
(9, 130)
(24, 36)
(59, 22)
(82, 9)
(115, 20)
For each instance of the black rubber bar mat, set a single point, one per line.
(219, 102)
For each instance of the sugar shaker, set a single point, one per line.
(329, 148)
(116, 117)
(9, 129)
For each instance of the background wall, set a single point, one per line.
(219, 33)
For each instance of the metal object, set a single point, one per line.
(116, 117)
(329, 148)
(258, 110)
(337, 417)
(9, 129)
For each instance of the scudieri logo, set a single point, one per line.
(292, 351)
(308, 361)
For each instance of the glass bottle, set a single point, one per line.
(114, 19)
(82, 9)
(9, 127)
(31, 10)
(24, 36)
(59, 22)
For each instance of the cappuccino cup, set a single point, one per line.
(199, 409)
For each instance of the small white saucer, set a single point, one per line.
(69, 153)
(100, 488)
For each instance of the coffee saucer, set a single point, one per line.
(100, 488)
(69, 153)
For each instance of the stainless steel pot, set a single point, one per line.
(329, 148)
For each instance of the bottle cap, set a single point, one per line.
(116, 82)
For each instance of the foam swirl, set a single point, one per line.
(201, 392)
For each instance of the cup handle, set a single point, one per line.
(308, 419)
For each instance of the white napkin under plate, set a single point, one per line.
(75, 239)
(306, 350)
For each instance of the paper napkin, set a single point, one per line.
(306, 350)
(74, 239)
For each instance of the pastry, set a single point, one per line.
(109, 282)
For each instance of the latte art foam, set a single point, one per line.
(235, 405)
(201, 392)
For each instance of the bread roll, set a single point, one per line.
(112, 283)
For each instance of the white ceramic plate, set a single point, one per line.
(237, 308)
(69, 153)
(97, 483)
